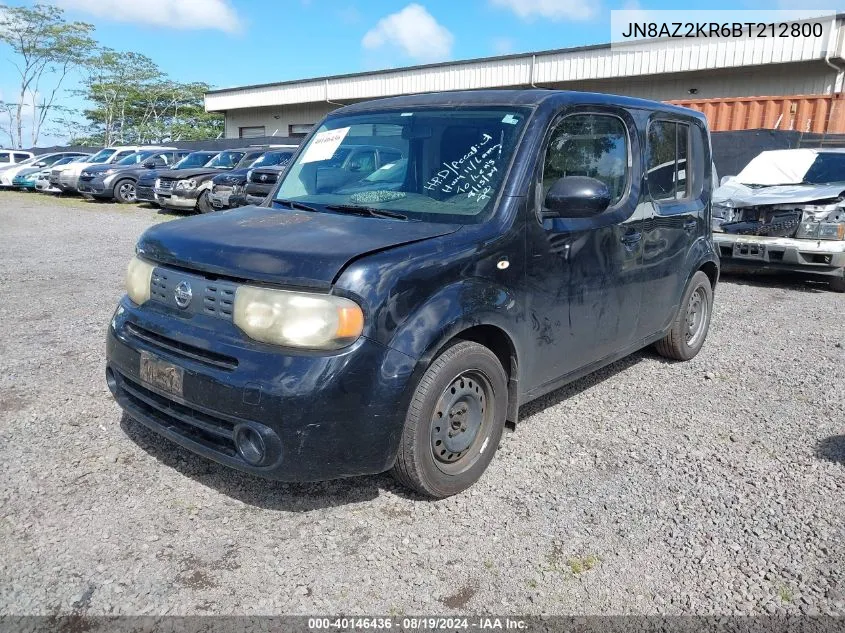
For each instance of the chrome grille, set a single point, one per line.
(214, 298)
(164, 184)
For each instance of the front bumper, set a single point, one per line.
(96, 187)
(823, 258)
(327, 415)
(175, 199)
(144, 193)
(45, 186)
(222, 197)
(20, 183)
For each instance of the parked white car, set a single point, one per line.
(65, 177)
(7, 176)
(11, 157)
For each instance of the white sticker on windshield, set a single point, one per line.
(511, 119)
(324, 145)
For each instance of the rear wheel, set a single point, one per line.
(124, 191)
(454, 422)
(690, 326)
(203, 204)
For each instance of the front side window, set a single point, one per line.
(446, 165)
(593, 145)
(19, 158)
(668, 144)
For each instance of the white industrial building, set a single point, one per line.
(676, 70)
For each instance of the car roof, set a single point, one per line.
(527, 97)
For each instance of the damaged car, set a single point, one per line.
(227, 189)
(189, 189)
(344, 329)
(785, 212)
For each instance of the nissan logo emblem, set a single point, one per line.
(263, 177)
(183, 294)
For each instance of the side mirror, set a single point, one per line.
(576, 197)
(726, 179)
(40, 163)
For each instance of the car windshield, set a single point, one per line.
(225, 160)
(434, 165)
(195, 159)
(65, 160)
(793, 167)
(101, 156)
(273, 158)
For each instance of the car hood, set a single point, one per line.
(738, 195)
(235, 176)
(278, 246)
(192, 172)
(26, 171)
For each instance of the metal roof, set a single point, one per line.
(550, 67)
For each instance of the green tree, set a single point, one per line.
(132, 100)
(45, 49)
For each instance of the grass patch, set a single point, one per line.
(34, 198)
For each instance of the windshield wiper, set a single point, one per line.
(370, 211)
(293, 204)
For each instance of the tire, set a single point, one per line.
(690, 326)
(203, 205)
(837, 284)
(124, 191)
(467, 385)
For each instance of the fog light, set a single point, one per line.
(250, 445)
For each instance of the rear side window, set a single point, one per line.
(594, 145)
(668, 151)
(5, 157)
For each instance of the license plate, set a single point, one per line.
(749, 250)
(159, 373)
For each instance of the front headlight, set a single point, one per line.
(297, 319)
(721, 211)
(832, 231)
(139, 274)
(821, 230)
(186, 184)
(108, 171)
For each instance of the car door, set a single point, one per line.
(674, 217)
(583, 273)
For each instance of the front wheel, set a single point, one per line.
(454, 422)
(124, 191)
(690, 326)
(203, 204)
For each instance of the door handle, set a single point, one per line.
(630, 239)
(690, 225)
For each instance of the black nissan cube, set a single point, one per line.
(377, 315)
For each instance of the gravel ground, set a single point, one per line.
(713, 486)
